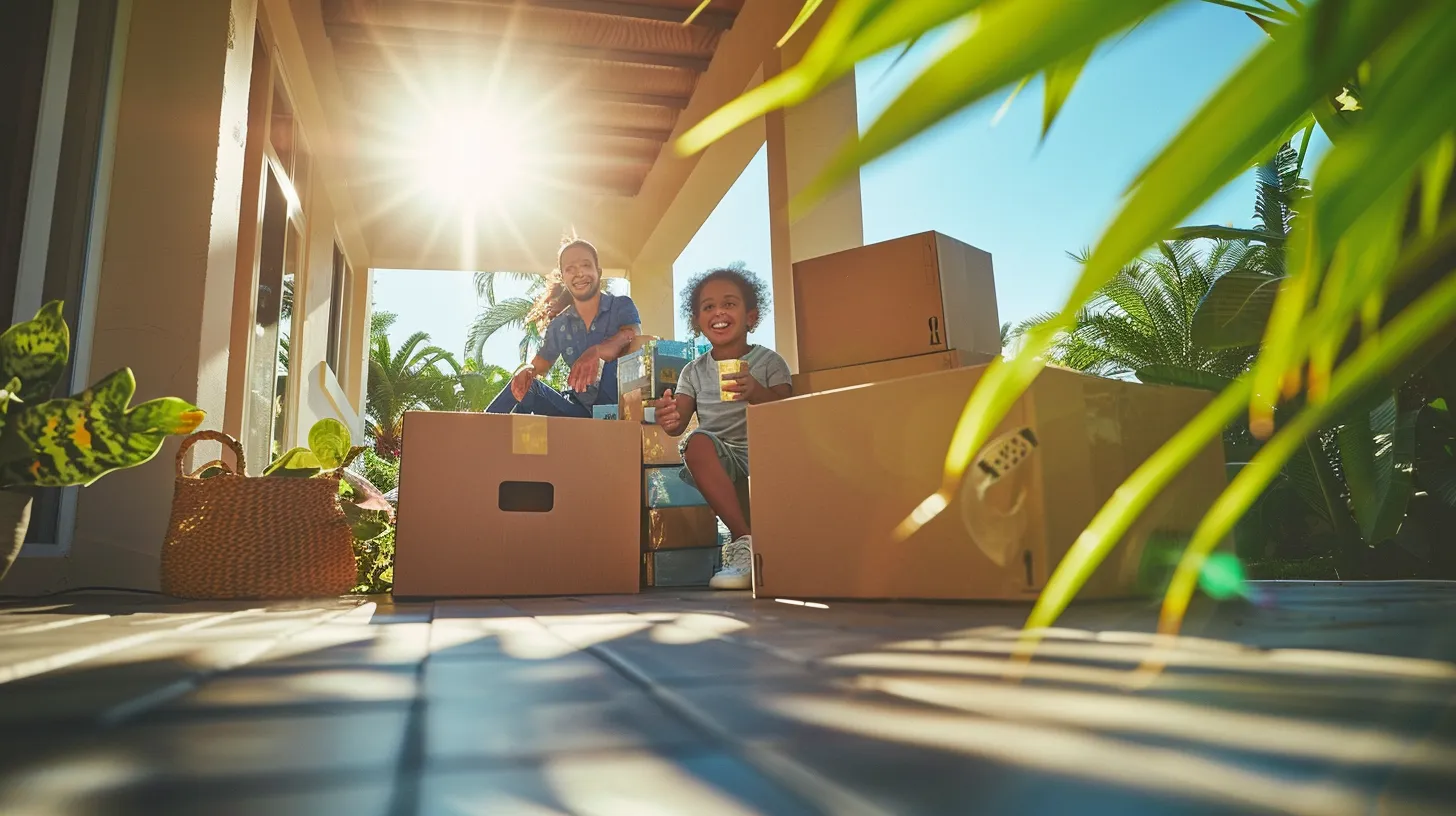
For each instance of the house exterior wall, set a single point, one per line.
(168, 275)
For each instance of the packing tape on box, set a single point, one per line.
(528, 435)
(994, 494)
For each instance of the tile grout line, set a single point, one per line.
(798, 778)
(121, 712)
(404, 797)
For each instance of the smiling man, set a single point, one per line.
(588, 328)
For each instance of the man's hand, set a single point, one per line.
(753, 392)
(584, 370)
(667, 414)
(521, 382)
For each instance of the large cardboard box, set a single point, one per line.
(834, 473)
(813, 382)
(511, 504)
(921, 294)
(677, 528)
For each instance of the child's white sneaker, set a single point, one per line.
(737, 570)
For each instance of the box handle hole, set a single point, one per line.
(527, 497)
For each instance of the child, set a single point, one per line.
(724, 305)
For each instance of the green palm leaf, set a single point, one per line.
(507, 314)
(1377, 451)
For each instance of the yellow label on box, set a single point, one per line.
(528, 435)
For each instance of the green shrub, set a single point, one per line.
(376, 564)
(381, 471)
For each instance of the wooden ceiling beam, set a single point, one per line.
(383, 188)
(367, 117)
(382, 80)
(453, 43)
(718, 19)
(466, 69)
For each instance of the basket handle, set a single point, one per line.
(213, 436)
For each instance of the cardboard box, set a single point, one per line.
(922, 294)
(813, 382)
(651, 369)
(659, 448)
(513, 504)
(676, 528)
(664, 487)
(835, 473)
(680, 568)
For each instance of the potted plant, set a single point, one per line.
(301, 529)
(70, 440)
(329, 453)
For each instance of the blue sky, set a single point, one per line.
(991, 183)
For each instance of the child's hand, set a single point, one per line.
(667, 414)
(743, 383)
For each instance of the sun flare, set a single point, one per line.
(466, 156)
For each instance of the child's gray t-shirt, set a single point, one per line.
(728, 420)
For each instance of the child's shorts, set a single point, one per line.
(735, 460)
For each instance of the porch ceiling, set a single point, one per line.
(598, 87)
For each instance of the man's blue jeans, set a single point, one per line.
(541, 399)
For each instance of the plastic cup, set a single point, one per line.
(725, 369)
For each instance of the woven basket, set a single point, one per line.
(232, 536)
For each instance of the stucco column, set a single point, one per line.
(800, 142)
(166, 279)
(652, 292)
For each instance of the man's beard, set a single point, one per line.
(591, 293)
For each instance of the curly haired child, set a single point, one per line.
(724, 305)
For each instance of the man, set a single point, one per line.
(588, 328)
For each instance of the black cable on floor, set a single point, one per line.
(58, 592)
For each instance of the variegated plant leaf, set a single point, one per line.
(77, 440)
(35, 352)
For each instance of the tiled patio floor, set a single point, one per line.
(1335, 699)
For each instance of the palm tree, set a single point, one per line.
(1141, 322)
(479, 384)
(403, 380)
(509, 313)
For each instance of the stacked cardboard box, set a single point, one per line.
(891, 310)
(680, 544)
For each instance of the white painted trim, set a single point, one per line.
(85, 328)
(101, 203)
(45, 162)
(337, 398)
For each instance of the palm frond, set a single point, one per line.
(485, 283)
(507, 314)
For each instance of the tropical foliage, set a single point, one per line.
(505, 314)
(419, 376)
(1366, 287)
(1141, 323)
(65, 441)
